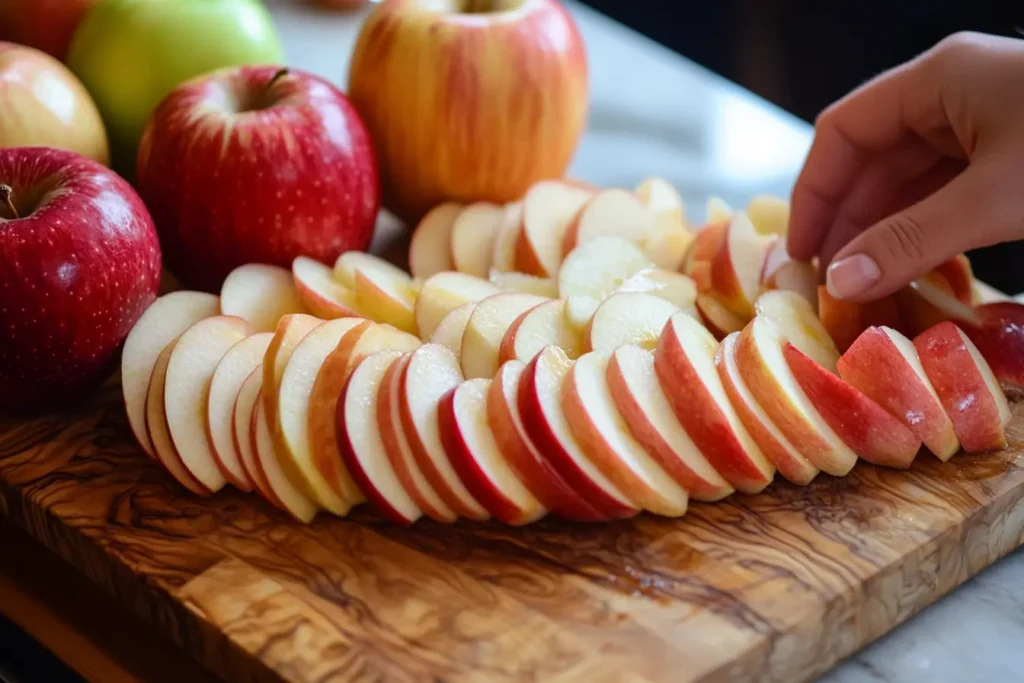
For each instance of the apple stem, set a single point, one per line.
(265, 92)
(7, 197)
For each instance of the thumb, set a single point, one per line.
(970, 211)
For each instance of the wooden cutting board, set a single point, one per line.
(777, 586)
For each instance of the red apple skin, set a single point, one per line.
(295, 177)
(1000, 340)
(533, 469)
(958, 273)
(958, 382)
(876, 367)
(46, 25)
(44, 104)
(540, 433)
(76, 273)
(866, 427)
(846, 320)
(469, 106)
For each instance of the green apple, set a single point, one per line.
(131, 53)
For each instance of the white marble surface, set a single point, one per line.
(653, 112)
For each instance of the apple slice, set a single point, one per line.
(261, 294)
(699, 257)
(634, 387)
(361, 444)
(245, 404)
(161, 323)
(1000, 340)
(443, 293)
(232, 370)
(326, 482)
(291, 499)
(863, 425)
(736, 267)
(539, 327)
(668, 243)
(579, 311)
(398, 450)
(846, 320)
(503, 252)
(966, 386)
(322, 294)
(796, 319)
(430, 249)
(158, 432)
(677, 288)
(718, 210)
(684, 361)
(189, 371)
(548, 209)
(540, 405)
(769, 214)
(958, 273)
(610, 213)
(760, 359)
(605, 439)
(382, 290)
(355, 345)
(430, 371)
(477, 458)
(451, 328)
(598, 267)
(525, 284)
(473, 236)
(490, 320)
(930, 300)
(291, 329)
(773, 443)
(884, 365)
(719, 320)
(533, 470)
(629, 318)
(662, 200)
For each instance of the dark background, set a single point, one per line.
(804, 54)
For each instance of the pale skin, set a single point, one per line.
(916, 166)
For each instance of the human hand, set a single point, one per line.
(916, 166)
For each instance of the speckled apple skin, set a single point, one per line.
(228, 186)
(76, 272)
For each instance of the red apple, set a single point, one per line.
(46, 25)
(80, 263)
(44, 104)
(256, 165)
(1000, 339)
(469, 101)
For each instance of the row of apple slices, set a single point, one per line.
(319, 414)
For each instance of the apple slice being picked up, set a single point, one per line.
(322, 294)
(533, 470)
(189, 370)
(473, 236)
(291, 499)
(966, 386)
(443, 293)
(773, 443)
(382, 290)
(429, 373)
(487, 326)
(629, 318)
(863, 425)
(430, 249)
(538, 327)
(599, 267)
(477, 458)
(610, 213)
(261, 294)
(605, 438)
(541, 390)
(548, 209)
(234, 367)
(684, 362)
(361, 445)
(884, 365)
(634, 387)
(161, 323)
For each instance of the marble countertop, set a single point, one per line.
(656, 113)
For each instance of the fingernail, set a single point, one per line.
(852, 275)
